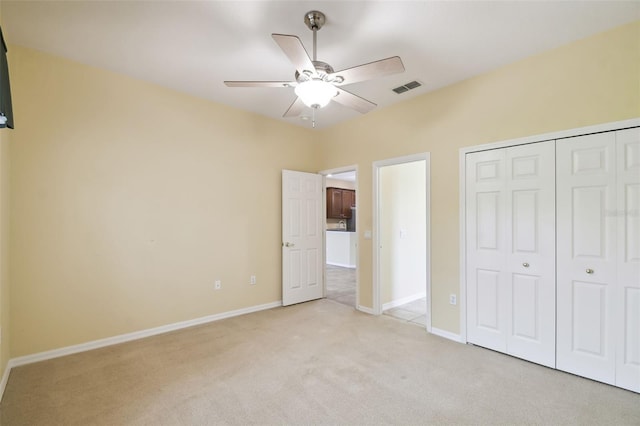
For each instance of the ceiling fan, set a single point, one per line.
(316, 83)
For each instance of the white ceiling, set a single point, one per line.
(193, 46)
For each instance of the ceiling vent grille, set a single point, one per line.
(406, 87)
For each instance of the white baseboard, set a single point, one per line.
(5, 378)
(446, 334)
(95, 344)
(342, 265)
(403, 301)
(365, 310)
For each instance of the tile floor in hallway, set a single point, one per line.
(341, 287)
(413, 312)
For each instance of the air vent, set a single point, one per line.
(412, 85)
(406, 87)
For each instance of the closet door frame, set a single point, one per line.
(462, 299)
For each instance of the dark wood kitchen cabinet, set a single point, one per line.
(334, 203)
(339, 203)
(348, 201)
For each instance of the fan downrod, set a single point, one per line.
(314, 19)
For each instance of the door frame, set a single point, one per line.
(377, 165)
(580, 131)
(324, 173)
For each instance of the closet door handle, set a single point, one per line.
(589, 271)
(525, 264)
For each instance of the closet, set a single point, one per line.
(552, 251)
(510, 251)
(598, 185)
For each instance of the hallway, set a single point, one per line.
(341, 288)
(413, 312)
(341, 285)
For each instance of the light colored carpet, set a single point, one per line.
(316, 363)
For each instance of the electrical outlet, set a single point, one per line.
(252, 280)
(452, 299)
(218, 285)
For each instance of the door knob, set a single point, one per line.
(525, 264)
(589, 271)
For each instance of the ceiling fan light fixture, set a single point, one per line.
(315, 82)
(316, 93)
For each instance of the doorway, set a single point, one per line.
(341, 237)
(401, 239)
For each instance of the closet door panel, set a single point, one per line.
(586, 256)
(530, 236)
(588, 220)
(628, 291)
(511, 251)
(486, 249)
(589, 302)
(525, 312)
(487, 288)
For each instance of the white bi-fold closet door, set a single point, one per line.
(510, 223)
(598, 277)
(578, 309)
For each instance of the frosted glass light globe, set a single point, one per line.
(316, 93)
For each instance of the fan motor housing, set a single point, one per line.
(322, 68)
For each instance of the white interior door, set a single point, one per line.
(628, 289)
(486, 249)
(586, 255)
(302, 251)
(531, 247)
(511, 251)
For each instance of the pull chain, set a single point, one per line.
(313, 117)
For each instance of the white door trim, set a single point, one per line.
(324, 173)
(598, 128)
(377, 165)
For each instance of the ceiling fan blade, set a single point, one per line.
(295, 109)
(368, 71)
(295, 51)
(260, 83)
(352, 101)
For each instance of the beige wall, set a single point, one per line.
(591, 81)
(128, 200)
(5, 135)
